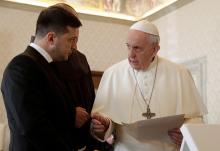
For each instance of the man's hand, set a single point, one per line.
(81, 117)
(176, 136)
(99, 123)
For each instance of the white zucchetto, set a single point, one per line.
(146, 27)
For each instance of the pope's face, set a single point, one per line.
(140, 49)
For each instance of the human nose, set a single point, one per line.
(131, 52)
(73, 47)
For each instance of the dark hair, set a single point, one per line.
(55, 19)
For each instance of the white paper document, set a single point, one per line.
(154, 128)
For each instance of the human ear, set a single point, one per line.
(156, 49)
(51, 38)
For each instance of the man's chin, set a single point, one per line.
(65, 58)
(136, 67)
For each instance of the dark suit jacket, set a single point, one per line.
(40, 114)
(76, 75)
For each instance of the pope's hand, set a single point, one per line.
(81, 117)
(99, 123)
(176, 136)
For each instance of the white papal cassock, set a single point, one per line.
(119, 98)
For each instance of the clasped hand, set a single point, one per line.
(81, 117)
(99, 123)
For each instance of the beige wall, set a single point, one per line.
(189, 32)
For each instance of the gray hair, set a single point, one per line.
(155, 39)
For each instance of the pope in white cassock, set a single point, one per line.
(141, 87)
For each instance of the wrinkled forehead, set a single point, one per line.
(137, 36)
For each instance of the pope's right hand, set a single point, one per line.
(100, 123)
(81, 117)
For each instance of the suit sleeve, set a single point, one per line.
(25, 95)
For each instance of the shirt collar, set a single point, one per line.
(42, 52)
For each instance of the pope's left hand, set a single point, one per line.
(176, 136)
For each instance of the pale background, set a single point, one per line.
(187, 33)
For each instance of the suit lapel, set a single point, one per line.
(48, 71)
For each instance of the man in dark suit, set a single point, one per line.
(41, 115)
(76, 76)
